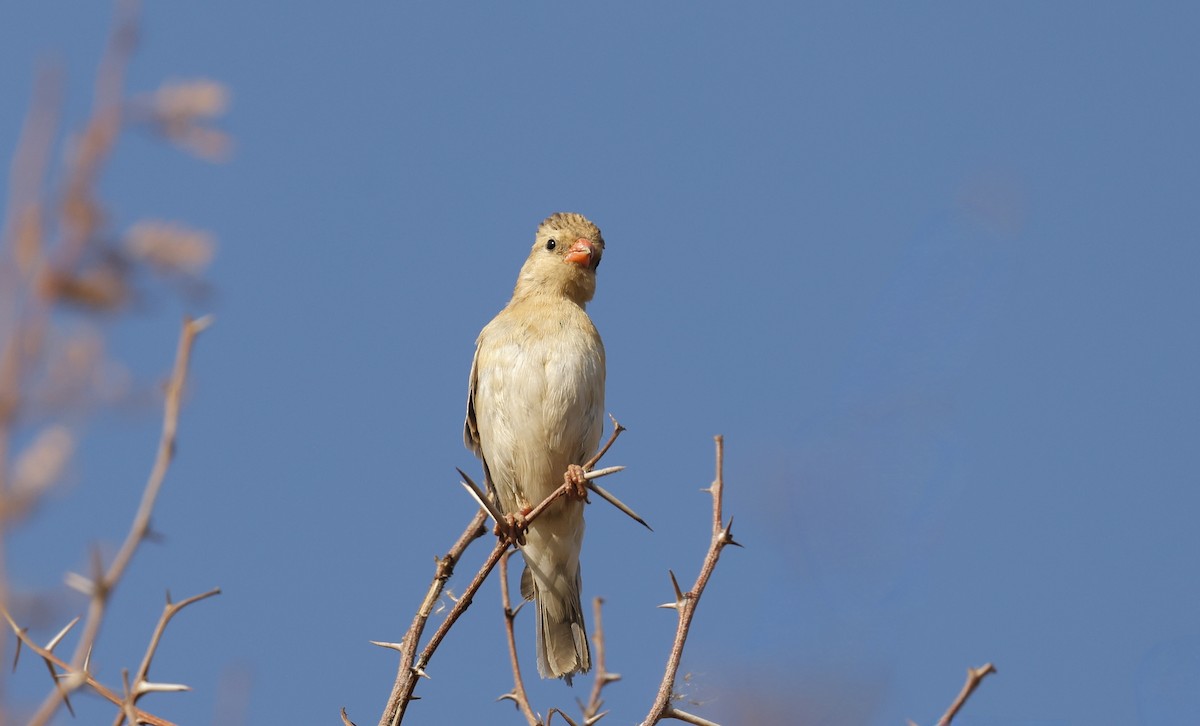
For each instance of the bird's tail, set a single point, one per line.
(562, 644)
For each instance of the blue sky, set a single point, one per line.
(930, 269)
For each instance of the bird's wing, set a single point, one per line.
(471, 426)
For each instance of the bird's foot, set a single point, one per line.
(576, 483)
(513, 528)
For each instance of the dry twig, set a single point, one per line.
(975, 676)
(84, 676)
(141, 684)
(591, 710)
(518, 695)
(103, 582)
(686, 602)
(406, 675)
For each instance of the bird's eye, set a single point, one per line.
(551, 244)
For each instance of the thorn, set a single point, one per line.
(385, 644)
(675, 584)
(79, 583)
(61, 634)
(346, 719)
(479, 497)
(688, 717)
(595, 719)
(597, 473)
(518, 608)
(58, 687)
(670, 605)
(727, 534)
(201, 324)
(17, 654)
(510, 696)
(617, 502)
(421, 672)
(168, 598)
(147, 687)
(87, 660)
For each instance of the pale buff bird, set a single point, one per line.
(535, 408)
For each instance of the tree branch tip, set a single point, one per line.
(565, 717)
(983, 670)
(346, 719)
(200, 324)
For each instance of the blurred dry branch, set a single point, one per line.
(100, 586)
(64, 271)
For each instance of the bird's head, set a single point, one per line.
(566, 252)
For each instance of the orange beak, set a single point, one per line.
(583, 253)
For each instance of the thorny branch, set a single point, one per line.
(406, 676)
(103, 582)
(413, 667)
(518, 694)
(141, 683)
(686, 602)
(53, 661)
(591, 710)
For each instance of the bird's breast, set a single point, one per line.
(539, 402)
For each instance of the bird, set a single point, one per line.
(535, 412)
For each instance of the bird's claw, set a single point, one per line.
(512, 528)
(576, 483)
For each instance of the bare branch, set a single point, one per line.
(975, 676)
(402, 689)
(103, 584)
(686, 602)
(83, 676)
(141, 685)
(617, 429)
(518, 695)
(591, 710)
